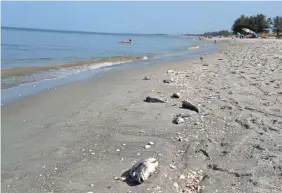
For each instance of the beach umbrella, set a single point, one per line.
(247, 30)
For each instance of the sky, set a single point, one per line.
(133, 17)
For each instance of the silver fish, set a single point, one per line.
(142, 170)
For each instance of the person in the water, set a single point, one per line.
(126, 41)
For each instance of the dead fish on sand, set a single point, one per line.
(170, 80)
(142, 170)
(153, 100)
(188, 105)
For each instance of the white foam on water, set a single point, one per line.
(55, 74)
(74, 70)
(105, 64)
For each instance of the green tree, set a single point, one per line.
(217, 33)
(277, 25)
(261, 24)
(257, 23)
(240, 23)
(269, 23)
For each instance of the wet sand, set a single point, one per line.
(79, 137)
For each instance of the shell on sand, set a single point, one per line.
(142, 170)
(175, 95)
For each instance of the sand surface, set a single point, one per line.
(79, 137)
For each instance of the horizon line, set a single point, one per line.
(90, 32)
(76, 31)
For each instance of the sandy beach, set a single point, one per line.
(82, 137)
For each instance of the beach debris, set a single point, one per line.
(120, 178)
(178, 120)
(226, 107)
(243, 123)
(201, 58)
(204, 152)
(192, 182)
(170, 71)
(157, 188)
(151, 143)
(184, 115)
(142, 170)
(170, 80)
(188, 105)
(154, 100)
(181, 177)
(179, 138)
(147, 146)
(205, 64)
(175, 185)
(175, 95)
(118, 149)
(172, 166)
(147, 78)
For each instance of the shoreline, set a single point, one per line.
(79, 71)
(25, 70)
(79, 128)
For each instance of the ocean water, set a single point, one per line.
(34, 60)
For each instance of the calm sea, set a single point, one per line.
(34, 56)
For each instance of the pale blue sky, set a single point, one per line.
(132, 17)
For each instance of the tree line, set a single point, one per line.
(217, 33)
(258, 23)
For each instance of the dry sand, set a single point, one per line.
(79, 137)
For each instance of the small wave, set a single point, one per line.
(32, 69)
(193, 47)
(18, 76)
